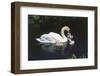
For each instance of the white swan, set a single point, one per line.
(55, 37)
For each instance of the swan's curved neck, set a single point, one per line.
(62, 31)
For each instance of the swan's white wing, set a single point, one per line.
(46, 38)
(56, 37)
(50, 38)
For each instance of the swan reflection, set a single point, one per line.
(61, 49)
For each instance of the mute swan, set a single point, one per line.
(56, 38)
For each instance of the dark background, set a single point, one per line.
(39, 25)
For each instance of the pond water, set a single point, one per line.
(47, 51)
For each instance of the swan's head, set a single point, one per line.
(65, 28)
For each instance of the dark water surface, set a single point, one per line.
(45, 51)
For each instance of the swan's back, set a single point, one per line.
(46, 38)
(56, 37)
